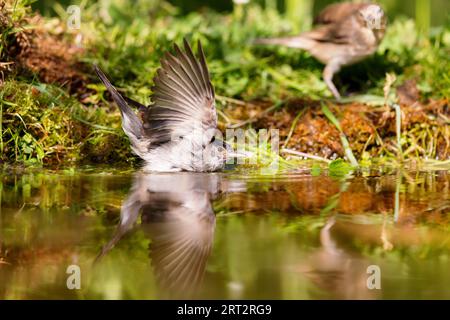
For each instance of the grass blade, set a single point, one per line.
(348, 151)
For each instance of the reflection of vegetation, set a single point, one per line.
(268, 240)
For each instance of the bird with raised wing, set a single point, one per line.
(345, 33)
(177, 132)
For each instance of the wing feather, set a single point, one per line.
(337, 12)
(183, 96)
(336, 24)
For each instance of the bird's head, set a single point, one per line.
(374, 18)
(199, 149)
(215, 150)
(205, 150)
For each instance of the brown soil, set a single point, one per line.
(50, 54)
(368, 129)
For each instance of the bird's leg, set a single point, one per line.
(328, 73)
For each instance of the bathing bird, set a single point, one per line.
(177, 131)
(345, 33)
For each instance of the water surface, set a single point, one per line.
(224, 235)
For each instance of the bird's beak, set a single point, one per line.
(228, 151)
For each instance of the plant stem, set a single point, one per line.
(423, 15)
(294, 124)
(348, 151)
(299, 12)
(398, 127)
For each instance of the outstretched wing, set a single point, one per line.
(336, 12)
(183, 96)
(181, 243)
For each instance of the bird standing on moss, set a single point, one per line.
(177, 131)
(345, 33)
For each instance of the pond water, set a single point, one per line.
(226, 235)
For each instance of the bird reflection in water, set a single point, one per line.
(338, 273)
(177, 216)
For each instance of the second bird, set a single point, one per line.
(345, 33)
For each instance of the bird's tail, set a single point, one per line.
(292, 42)
(131, 123)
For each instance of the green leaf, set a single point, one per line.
(339, 168)
(316, 170)
(327, 112)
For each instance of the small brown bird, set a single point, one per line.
(345, 33)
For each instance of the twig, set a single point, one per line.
(224, 116)
(305, 155)
(367, 143)
(294, 124)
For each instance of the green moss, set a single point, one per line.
(42, 124)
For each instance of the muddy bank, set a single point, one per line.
(370, 130)
(35, 46)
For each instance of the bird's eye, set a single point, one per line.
(213, 139)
